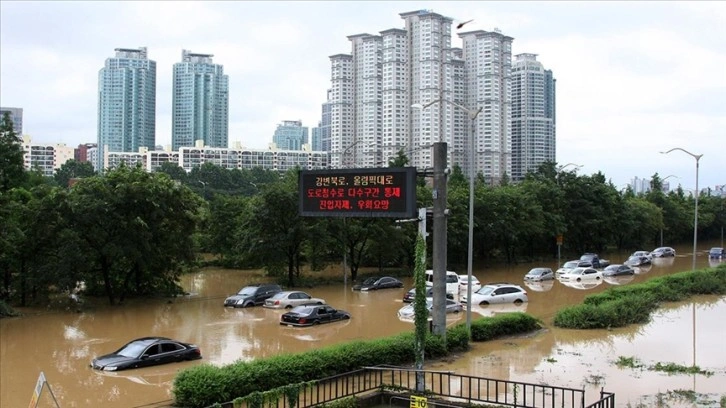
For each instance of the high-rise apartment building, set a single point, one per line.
(200, 102)
(316, 138)
(383, 97)
(16, 115)
(126, 103)
(290, 135)
(533, 115)
(488, 62)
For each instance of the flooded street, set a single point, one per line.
(61, 345)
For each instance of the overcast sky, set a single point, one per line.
(633, 78)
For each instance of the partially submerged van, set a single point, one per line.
(452, 281)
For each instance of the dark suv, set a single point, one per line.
(252, 295)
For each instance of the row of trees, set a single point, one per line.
(131, 233)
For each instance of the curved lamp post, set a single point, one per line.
(472, 171)
(695, 212)
(560, 168)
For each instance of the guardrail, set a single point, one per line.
(455, 388)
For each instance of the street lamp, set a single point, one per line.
(560, 168)
(720, 188)
(695, 211)
(472, 172)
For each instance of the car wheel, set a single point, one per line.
(483, 303)
(315, 323)
(288, 307)
(597, 278)
(578, 279)
(250, 304)
(518, 302)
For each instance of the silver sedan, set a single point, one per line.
(291, 298)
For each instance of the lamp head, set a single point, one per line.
(417, 106)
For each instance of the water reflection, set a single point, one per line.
(62, 344)
(542, 286)
(618, 280)
(493, 310)
(584, 285)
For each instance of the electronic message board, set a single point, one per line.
(370, 192)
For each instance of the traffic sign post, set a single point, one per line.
(560, 238)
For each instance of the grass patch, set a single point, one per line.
(673, 368)
(670, 368)
(628, 362)
(624, 305)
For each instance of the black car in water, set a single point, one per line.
(385, 282)
(253, 295)
(310, 315)
(145, 352)
(617, 270)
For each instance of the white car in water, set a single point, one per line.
(581, 274)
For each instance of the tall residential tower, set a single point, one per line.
(200, 102)
(126, 103)
(533, 115)
(383, 97)
(290, 135)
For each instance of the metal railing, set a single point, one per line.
(607, 400)
(453, 387)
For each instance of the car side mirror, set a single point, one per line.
(144, 356)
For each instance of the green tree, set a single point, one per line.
(273, 233)
(174, 171)
(72, 169)
(12, 170)
(137, 230)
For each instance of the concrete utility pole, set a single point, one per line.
(439, 243)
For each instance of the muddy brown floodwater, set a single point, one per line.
(61, 345)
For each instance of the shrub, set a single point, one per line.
(205, 385)
(624, 305)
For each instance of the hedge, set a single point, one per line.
(204, 385)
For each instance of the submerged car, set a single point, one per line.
(497, 293)
(385, 282)
(252, 295)
(663, 252)
(311, 315)
(617, 270)
(643, 253)
(409, 296)
(408, 312)
(539, 274)
(145, 352)
(464, 281)
(581, 274)
(717, 253)
(290, 299)
(638, 260)
(570, 265)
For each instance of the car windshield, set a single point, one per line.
(571, 264)
(133, 349)
(536, 271)
(247, 291)
(485, 290)
(370, 281)
(279, 295)
(612, 268)
(716, 250)
(577, 271)
(634, 258)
